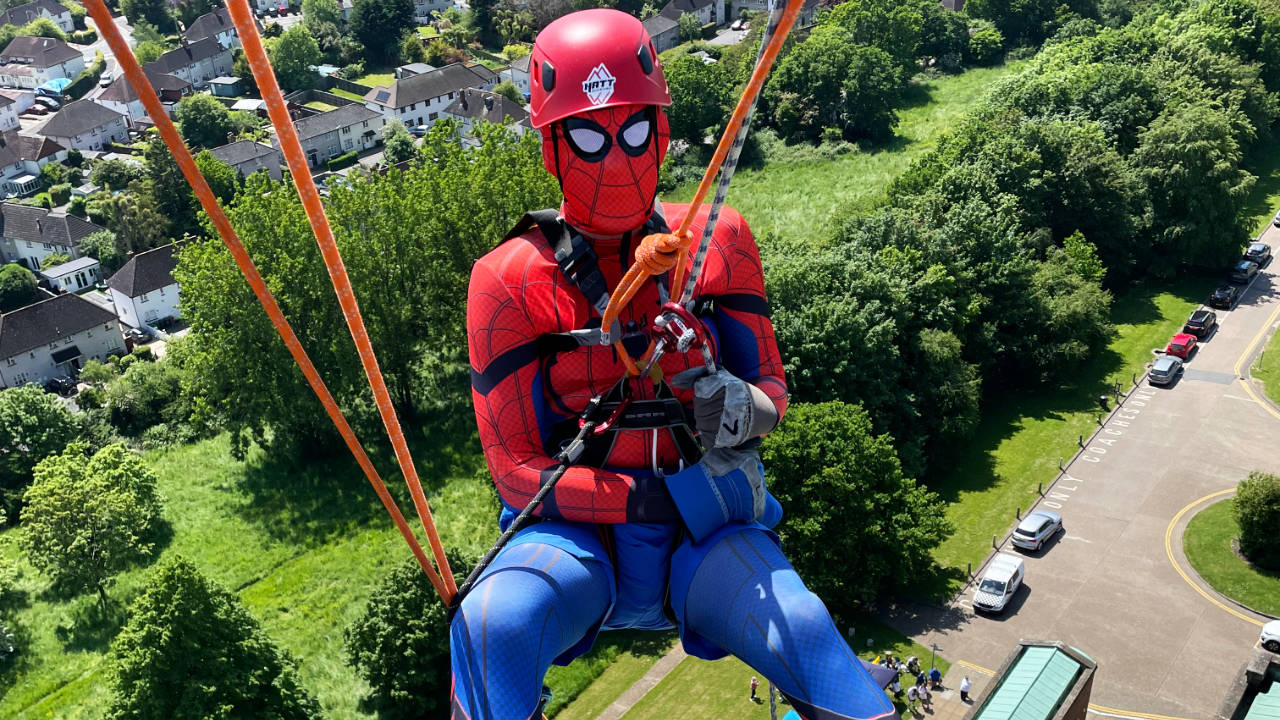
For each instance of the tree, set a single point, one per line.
(189, 10)
(166, 191)
(190, 650)
(515, 52)
(701, 94)
(203, 120)
(944, 35)
(293, 56)
(54, 173)
(397, 143)
(690, 27)
(87, 519)
(986, 47)
(97, 374)
(33, 426)
(136, 220)
(508, 90)
(514, 23)
(148, 52)
(155, 12)
(222, 178)
(318, 13)
(240, 68)
(872, 93)
(379, 25)
(804, 93)
(844, 495)
(457, 28)
(893, 27)
(54, 260)
(400, 643)
(101, 246)
(114, 174)
(412, 50)
(17, 287)
(1084, 258)
(1257, 510)
(145, 395)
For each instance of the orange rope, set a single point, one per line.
(654, 254)
(269, 89)
(146, 93)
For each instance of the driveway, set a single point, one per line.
(1111, 584)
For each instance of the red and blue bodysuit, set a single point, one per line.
(616, 545)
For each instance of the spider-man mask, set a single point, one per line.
(607, 163)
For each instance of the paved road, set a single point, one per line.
(1107, 585)
(89, 51)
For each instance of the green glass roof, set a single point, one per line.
(1266, 706)
(1034, 686)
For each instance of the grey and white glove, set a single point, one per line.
(727, 411)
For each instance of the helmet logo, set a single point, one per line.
(599, 85)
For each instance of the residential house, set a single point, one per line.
(122, 98)
(411, 69)
(74, 276)
(247, 157)
(55, 337)
(216, 25)
(420, 99)
(422, 9)
(86, 125)
(29, 234)
(953, 5)
(664, 31)
(22, 99)
(518, 74)
(474, 105)
(23, 14)
(337, 132)
(29, 62)
(21, 159)
(196, 62)
(8, 114)
(807, 11)
(144, 291)
(708, 11)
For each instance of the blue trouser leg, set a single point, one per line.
(746, 598)
(535, 602)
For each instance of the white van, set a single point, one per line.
(1003, 578)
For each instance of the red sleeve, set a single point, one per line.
(508, 395)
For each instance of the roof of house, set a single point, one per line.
(146, 271)
(77, 118)
(187, 55)
(441, 81)
(416, 68)
(659, 24)
(210, 24)
(676, 8)
(39, 324)
(521, 63)
(23, 14)
(330, 120)
(242, 151)
(481, 105)
(1266, 705)
(122, 90)
(6, 101)
(1033, 686)
(44, 52)
(67, 268)
(16, 148)
(27, 222)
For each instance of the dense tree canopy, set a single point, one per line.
(379, 25)
(293, 55)
(191, 651)
(701, 95)
(33, 426)
(1257, 510)
(203, 120)
(17, 287)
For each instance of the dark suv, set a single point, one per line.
(1201, 323)
(61, 385)
(1224, 297)
(1258, 252)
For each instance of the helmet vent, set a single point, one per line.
(548, 76)
(646, 60)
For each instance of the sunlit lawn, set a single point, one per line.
(1207, 543)
(346, 94)
(375, 79)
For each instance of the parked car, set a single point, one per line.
(1036, 529)
(419, 130)
(36, 110)
(48, 102)
(1002, 579)
(1276, 220)
(137, 335)
(105, 80)
(283, 9)
(62, 385)
(1181, 345)
(1243, 272)
(1259, 253)
(1224, 297)
(1165, 370)
(1270, 638)
(1201, 323)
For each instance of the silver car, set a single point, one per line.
(1165, 370)
(1036, 529)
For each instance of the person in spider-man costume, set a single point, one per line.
(641, 532)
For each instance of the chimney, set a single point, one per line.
(463, 97)
(488, 102)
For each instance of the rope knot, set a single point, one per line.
(660, 252)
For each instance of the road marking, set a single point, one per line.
(1237, 397)
(977, 668)
(1076, 537)
(1113, 712)
(1168, 551)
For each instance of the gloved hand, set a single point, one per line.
(727, 411)
(725, 486)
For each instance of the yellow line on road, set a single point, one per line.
(1249, 351)
(978, 668)
(1168, 550)
(1131, 713)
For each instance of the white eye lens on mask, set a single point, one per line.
(587, 140)
(635, 135)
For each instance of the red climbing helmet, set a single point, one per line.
(593, 59)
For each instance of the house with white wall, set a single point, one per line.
(196, 62)
(247, 157)
(74, 276)
(329, 134)
(8, 114)
(122, 98)
(86, 125)
(55, 337)
(474, 105)
(144, 291)
(423, 9)
(29, 234)
(421, 99)
(29, 62)
(518, 74)
(21, 159)
(664, 32)
(26, 13)
(216, 25)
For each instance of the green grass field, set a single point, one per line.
(427, 32)
(799, 199)
(380, 76)
(1021, 437)
(1207, 543)
(321, 106)
(1267, 368)
(346, 94)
